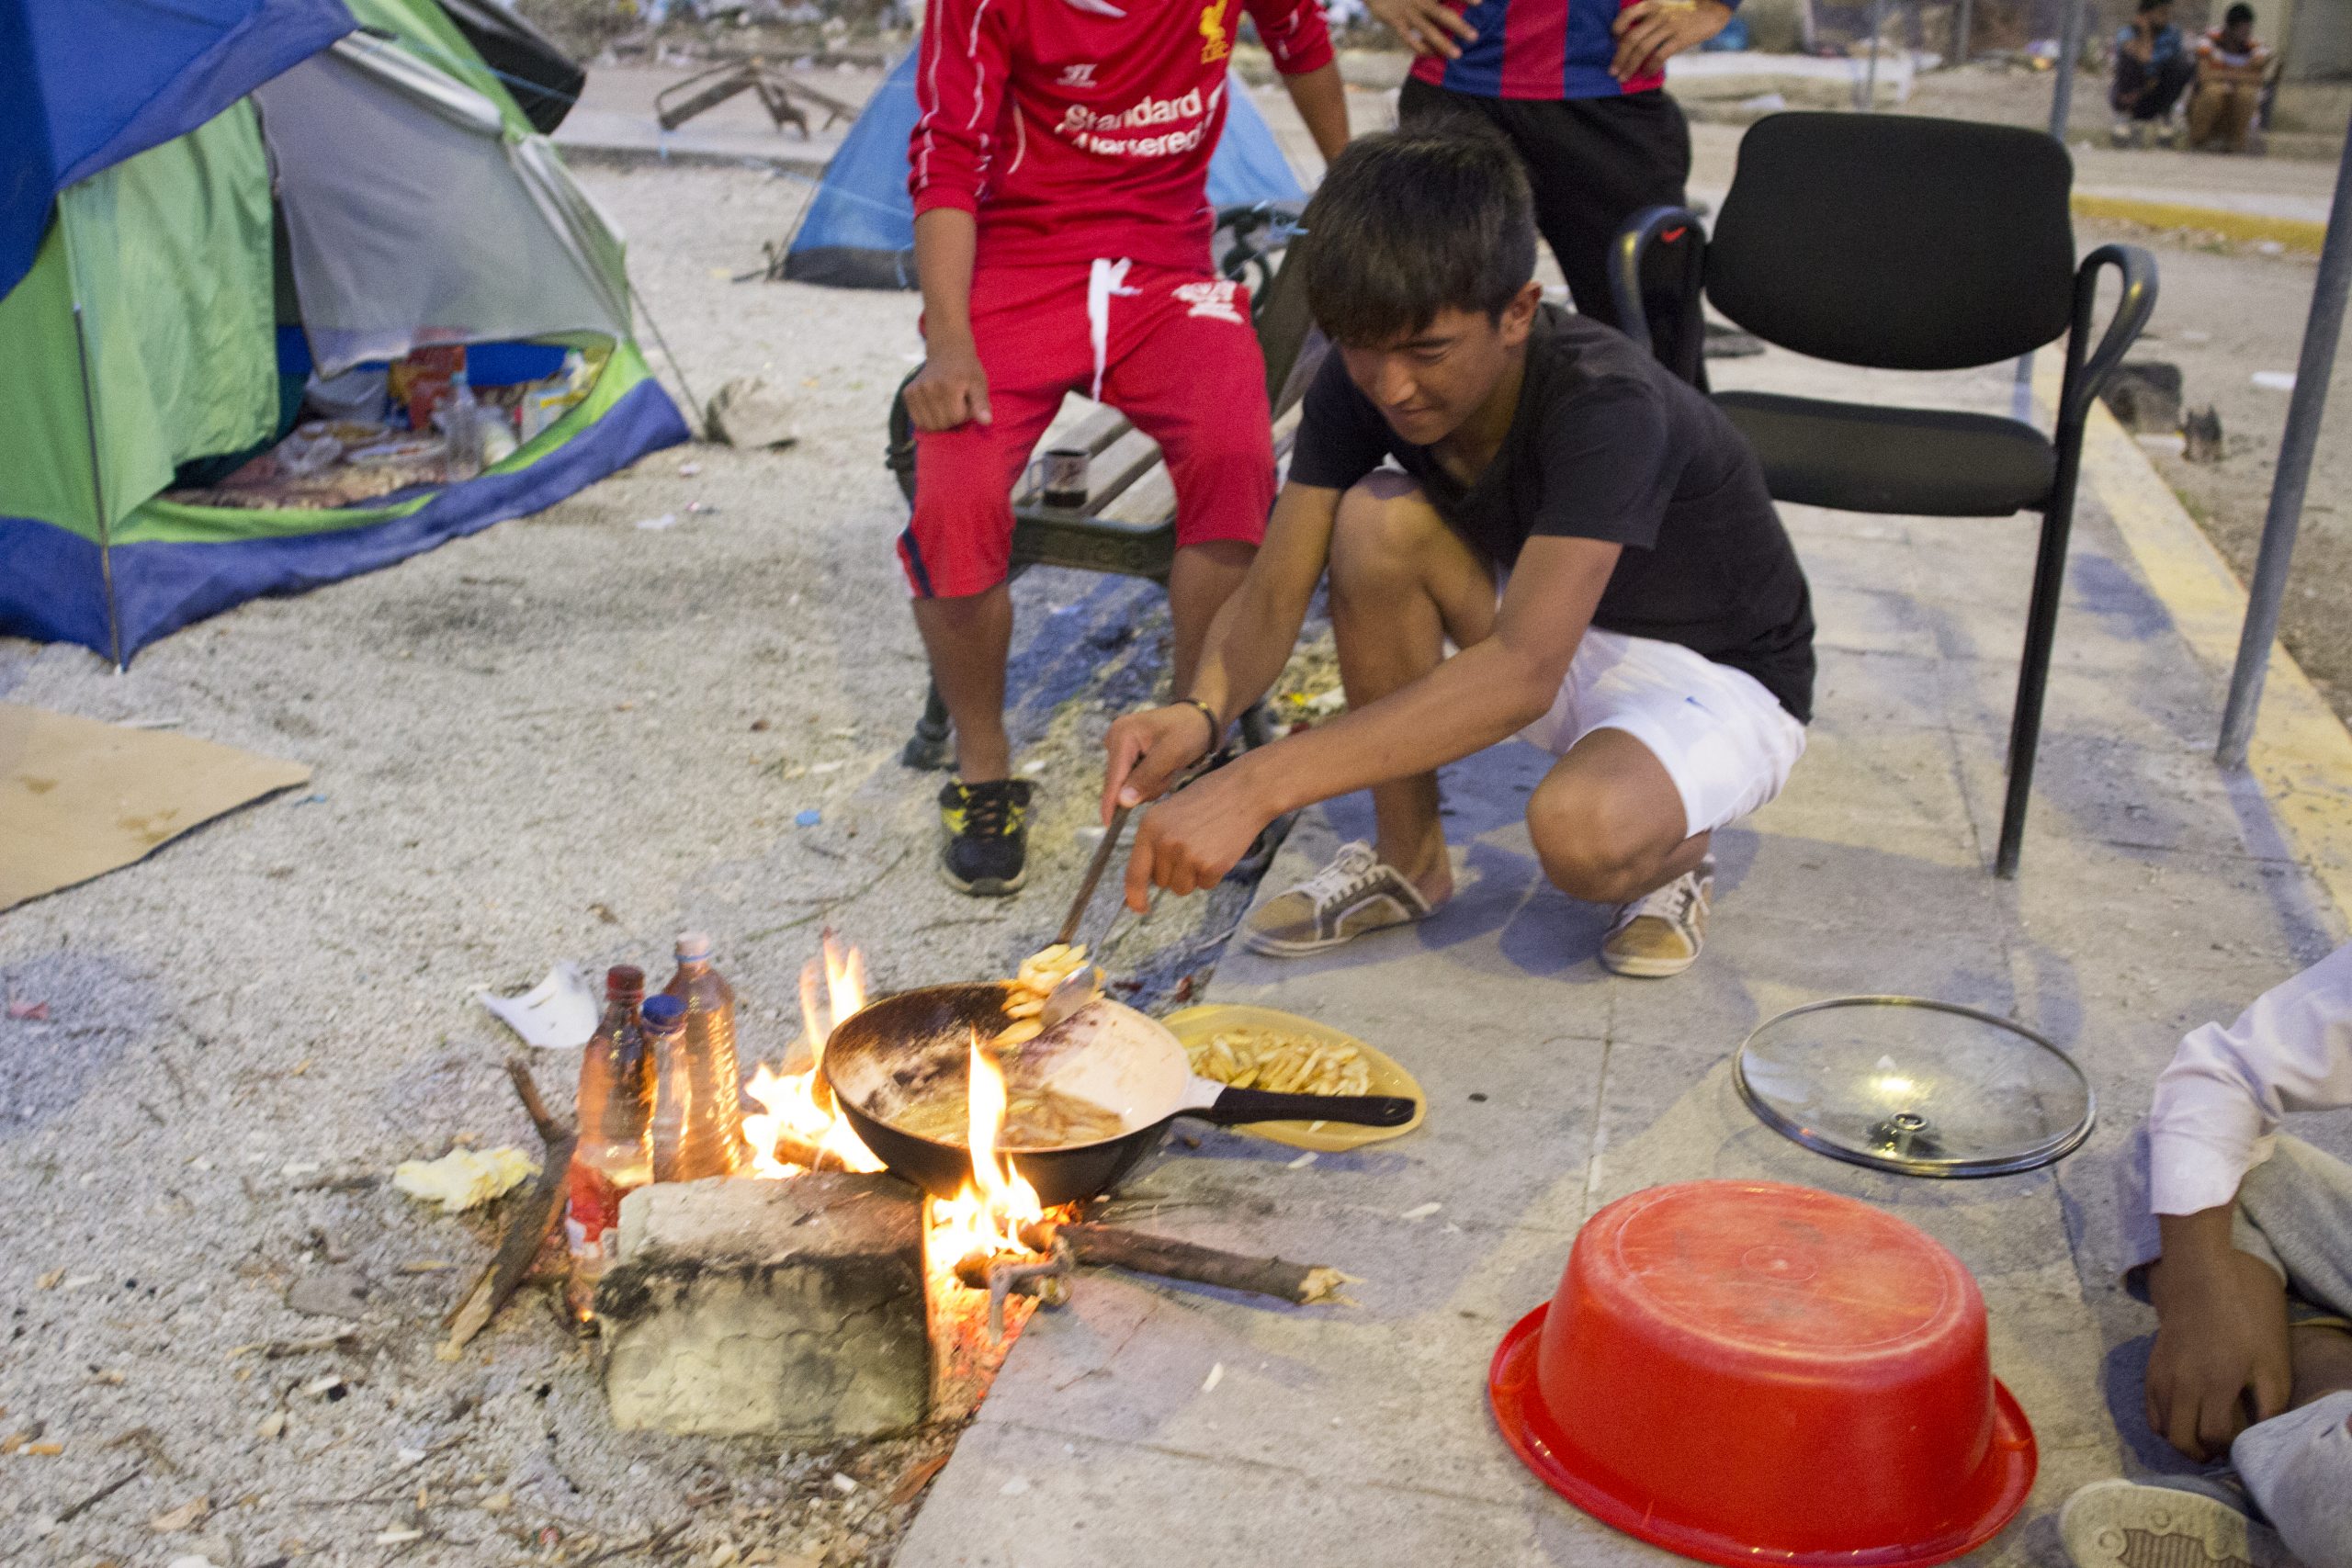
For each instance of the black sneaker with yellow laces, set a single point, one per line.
(986, 851)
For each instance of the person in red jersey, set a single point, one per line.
(1576, 86)
(1059, 171)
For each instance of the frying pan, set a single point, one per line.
(902, 1049)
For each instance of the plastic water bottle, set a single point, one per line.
(460, 419)
(614, 1155)
(711, 1141)
(664, 1020)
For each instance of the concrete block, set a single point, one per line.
(791, 1307)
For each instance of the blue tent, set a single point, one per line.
(859, 228)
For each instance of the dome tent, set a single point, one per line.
(150, 152)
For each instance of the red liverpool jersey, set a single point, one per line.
(1078, 129)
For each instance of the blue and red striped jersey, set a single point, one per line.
(1536, 49)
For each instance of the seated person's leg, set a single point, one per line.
(2205, 112)
(1402, 586)
(1186, 370)
(954, 552)
(2237, 118)
(1658, 747)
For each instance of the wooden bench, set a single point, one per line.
(1128, 527)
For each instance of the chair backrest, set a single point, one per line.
(1895, 241)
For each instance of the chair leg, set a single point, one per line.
(2034, 671)
(928, 746)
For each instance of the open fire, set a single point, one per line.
(800, 1129)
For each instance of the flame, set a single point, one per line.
(801, 1105)
(987, 1217)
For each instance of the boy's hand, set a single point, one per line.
(1427, 27)
(1191, 839)
(1652, 32)
(950, 388)
(2221, 1361)
(1147, 749)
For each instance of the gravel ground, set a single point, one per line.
(565, 738)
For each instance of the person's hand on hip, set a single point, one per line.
(1654, 31)
(1427, 27)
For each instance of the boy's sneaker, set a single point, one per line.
(2121, 1524)
(1660, 933)
(1356, 894)
(987, 852)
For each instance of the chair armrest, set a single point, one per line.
(2084, 376)
(1633, 242)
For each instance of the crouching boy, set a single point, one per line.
(1590, 534)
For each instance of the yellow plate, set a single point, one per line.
(1195, 1024)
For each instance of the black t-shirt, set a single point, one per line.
(1607, 444)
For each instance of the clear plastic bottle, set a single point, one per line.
(712, 1143)
(664, 1018)
(460, 417)
(614, 1154)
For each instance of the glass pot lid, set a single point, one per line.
(1918, 1087)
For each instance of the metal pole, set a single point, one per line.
(2070, 49)
(1959, 34)
(98, 493)
(2321, 332)
(2061, 107)
(1870, 75)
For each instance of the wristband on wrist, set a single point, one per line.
(1216, 724)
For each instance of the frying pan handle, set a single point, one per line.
(1236, 1106)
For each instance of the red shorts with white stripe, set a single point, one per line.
(1172, 350)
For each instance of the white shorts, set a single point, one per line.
(1727, 742)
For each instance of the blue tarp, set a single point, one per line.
(859, 230)
(86, 83)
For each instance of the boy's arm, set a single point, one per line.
(2220, 1362)
(1321, 100)
(1480, 696)
(960, 92)
(952, 387)
(1294, 33)
(1248, 642)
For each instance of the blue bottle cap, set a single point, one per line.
(663, 1013)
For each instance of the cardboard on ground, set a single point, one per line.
(79, 799)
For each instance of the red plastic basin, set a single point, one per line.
(1751, 1372)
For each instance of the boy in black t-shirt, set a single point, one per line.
(1591, 533)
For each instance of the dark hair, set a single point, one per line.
(2239, 15)
(1410, 222)
(2148, 5)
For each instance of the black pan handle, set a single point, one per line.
(1236, 1106)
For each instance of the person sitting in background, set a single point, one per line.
(1060, 179)
(2230, 64)
(2241, 1237)
(2152, 66)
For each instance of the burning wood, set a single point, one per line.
(800, 1129)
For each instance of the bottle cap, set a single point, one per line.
(663, 1013)
(694, 947)
(624, 980)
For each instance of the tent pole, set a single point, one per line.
(702, 421)
(98, 490)
(2321, 331)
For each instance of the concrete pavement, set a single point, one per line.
(2156, 894)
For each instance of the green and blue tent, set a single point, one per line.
(202, 202)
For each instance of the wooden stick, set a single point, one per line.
(526, 1231)
(1304, 1284)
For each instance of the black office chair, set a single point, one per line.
(1908, 243)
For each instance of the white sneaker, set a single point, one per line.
(1660, 933)
(1358, 893)
(2123, 1524)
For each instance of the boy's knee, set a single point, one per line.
(1382, 521)
(1589, 846)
